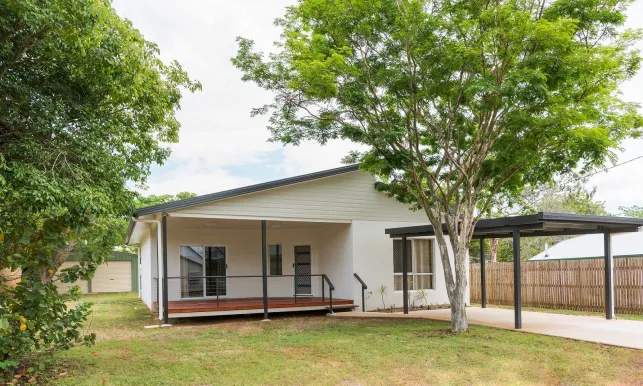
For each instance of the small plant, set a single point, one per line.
(422, 296)
(383, 290)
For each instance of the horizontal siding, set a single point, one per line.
(349, 196)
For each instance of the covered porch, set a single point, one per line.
(236, 306)
(222, 266)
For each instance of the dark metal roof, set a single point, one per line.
(539, 224)
(237, 192)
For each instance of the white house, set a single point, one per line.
(591, 247)
(319, 231)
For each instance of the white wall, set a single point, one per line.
(349, 196)
(373, 262)
(146, 270)
(336, 245)
(330, 255)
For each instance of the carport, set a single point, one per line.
(539, 224)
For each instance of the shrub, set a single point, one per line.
(35, 321)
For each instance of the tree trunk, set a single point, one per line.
(459, 321)
(494, 250)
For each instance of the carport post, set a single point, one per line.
(609, 276)
(517, 289)
(405, 276)
(164, 243)
(264, 267)
(483, 276)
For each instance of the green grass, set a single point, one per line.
(318, 350)
(567, 312)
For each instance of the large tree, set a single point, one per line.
(458, 101)
(566, 195)
(86, 106)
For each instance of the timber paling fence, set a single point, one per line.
(564, 284)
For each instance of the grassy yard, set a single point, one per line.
(295, 350)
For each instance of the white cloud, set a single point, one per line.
(218, 135)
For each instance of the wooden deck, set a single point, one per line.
(240, 304)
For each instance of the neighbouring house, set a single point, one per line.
(591, 247)
(117, 274)
(317, 236)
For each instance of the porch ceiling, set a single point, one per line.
(235, 224)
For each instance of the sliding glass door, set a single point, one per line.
(198, 264)
(215, 265)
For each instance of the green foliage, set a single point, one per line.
(461, 103)
(562, 196)
(36, 321)
(144, 201)
(86, 108)
(383, 290)
(631, 211)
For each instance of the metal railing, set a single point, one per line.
(364, 288)
(301, 288)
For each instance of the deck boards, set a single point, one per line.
(210, 305)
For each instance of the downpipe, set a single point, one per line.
(159, 260)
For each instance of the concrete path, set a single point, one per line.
(625, 333)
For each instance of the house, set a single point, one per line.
(306, 242)
(118, 274)
(591, 247)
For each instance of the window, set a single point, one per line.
(275, 259)
(419, 264)
(203, 271)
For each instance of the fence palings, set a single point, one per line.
(564, 284)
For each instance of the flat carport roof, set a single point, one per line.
(539, 224)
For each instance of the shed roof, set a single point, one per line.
(591, 247)
(539, 224)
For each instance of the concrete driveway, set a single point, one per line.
(624, 333)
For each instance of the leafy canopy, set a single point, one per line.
(459, 102)
(86, 107)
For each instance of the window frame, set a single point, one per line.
(281, 259)
(411, 272)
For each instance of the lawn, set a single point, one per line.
(315, 349)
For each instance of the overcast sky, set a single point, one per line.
(221, 147)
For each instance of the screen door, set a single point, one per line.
(303, 267)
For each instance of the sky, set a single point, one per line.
(221, 147)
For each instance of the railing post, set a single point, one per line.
(483, 275)
(323, 290)
(609, 276)
(165, 292)
(330, 296)
(294, 279)
(517, 281)
(363, 299)
(264, 265)
(405, 276)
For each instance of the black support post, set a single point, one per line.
(264, 266)
(405, 280)
(609, 277)
(517, 282)
(483, 275)
(164, 246)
